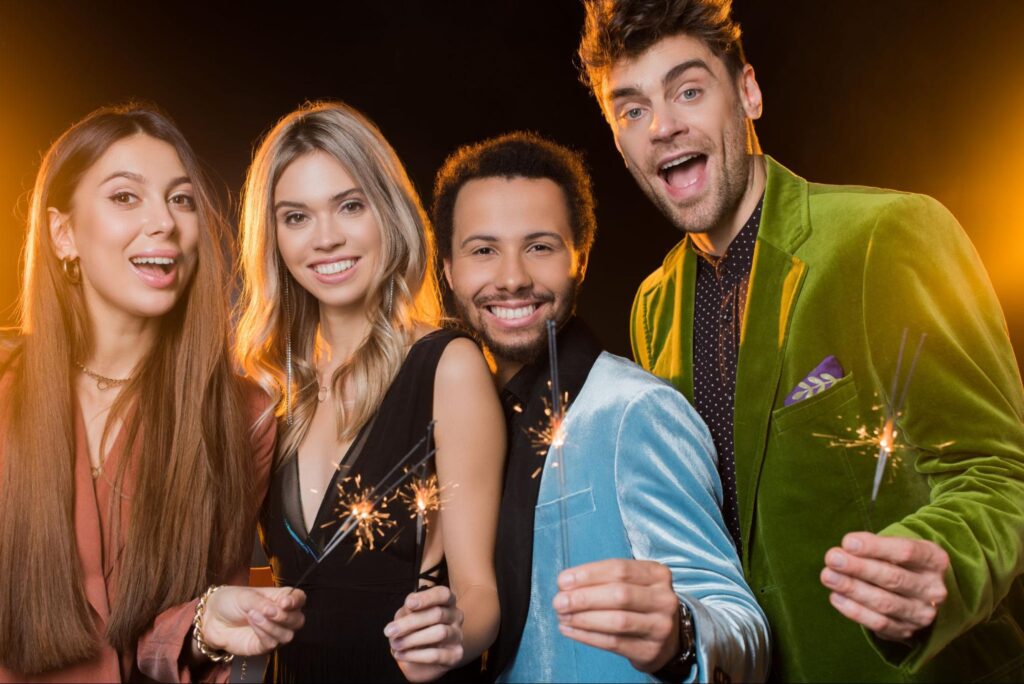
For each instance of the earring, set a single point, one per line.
(72, 270)
(390, 299)
(287, 351)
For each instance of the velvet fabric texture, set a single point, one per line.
(842, 271)
(640, 482)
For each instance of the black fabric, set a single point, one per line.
(351, 597)
(721, 294)
(525, 398)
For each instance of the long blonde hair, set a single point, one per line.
(182, 413)
(271, 296)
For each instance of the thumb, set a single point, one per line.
(286, 598)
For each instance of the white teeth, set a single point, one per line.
(507, 314)
(334, 267)
(677, 162)
(158, 261)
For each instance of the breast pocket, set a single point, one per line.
(829, 402)
(576, 504)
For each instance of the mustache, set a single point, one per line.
(540, 297)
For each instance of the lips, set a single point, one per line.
(334, 270)
(684, 174)
(515, 314)
(157, 270)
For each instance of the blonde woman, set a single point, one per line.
(131, 458)
(339, 323)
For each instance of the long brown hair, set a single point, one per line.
(193, 475)
(407, 266)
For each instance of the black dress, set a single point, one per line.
(352, 596)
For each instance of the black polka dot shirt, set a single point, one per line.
(721, 294)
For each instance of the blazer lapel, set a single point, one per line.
(675, 360)
(88, 531)
(775, 280)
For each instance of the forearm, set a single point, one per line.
(481, 614)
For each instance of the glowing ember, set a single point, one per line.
(356, 509)
(422, 496)
(552, 432)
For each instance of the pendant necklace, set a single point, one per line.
(102, 381)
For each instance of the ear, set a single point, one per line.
(582, 260)
(448, 271)
(61, 235)
(750, 93)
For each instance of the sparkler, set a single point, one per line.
(421, 515)
(885, 437)
(363, 510)
(555, 432)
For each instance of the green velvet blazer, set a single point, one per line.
(841, 271)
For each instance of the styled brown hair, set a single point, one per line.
(183, 419)
(623, 29)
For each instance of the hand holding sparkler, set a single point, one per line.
(891, 585)
(426, 634)
(248, 621)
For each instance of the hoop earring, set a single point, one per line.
(72, 270)
(389, 300)
(287, 351)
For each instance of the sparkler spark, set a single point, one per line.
(422, 496)
(357, 509)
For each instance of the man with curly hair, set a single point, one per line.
(775, 316)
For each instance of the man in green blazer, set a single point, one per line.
(790, 315)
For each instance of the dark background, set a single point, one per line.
(919, 95)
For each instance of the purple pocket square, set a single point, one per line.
(824, 375)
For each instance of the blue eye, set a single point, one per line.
(691, 93)
(633, 113)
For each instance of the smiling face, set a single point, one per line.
(133, 224)
(681, 123)
(327, 233)
(513, 265)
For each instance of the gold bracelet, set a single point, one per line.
(197, 630)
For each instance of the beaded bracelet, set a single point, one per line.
(197, 630)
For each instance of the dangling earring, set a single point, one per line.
(390, 299)
(287, 350)
(72, 271)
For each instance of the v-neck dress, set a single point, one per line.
(352, 595)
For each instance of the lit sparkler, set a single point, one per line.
(363, 511)
(885, 437)
(556, 434)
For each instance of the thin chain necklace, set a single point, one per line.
(102, 381)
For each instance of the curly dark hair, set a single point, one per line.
(516, 155)
(622, 29)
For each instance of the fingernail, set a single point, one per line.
(564, 618)
(561, 602)
(830, 577)
(390, 629)
(257, 616)
(853, 544)
(837, 559)
(565, 629)
(414, 603)
(838, 599)
(568, 579)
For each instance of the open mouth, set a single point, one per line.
(683, 172)
(154, 266)
(507, 313)
(334, 267)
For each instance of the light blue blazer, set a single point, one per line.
(641, 482)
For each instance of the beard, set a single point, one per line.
(532, 342)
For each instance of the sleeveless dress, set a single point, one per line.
(352, 595)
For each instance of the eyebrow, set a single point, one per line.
(130, 175)
(672, 74)
(340, 197)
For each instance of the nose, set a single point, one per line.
(160, 221)
(328, 235)
(666, 123)
(513, 275)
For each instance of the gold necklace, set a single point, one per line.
(102, 381)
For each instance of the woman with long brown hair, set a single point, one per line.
(131, 458)
(339, 324)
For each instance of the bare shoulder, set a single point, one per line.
(462, 361)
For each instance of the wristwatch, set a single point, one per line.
(678, 668)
